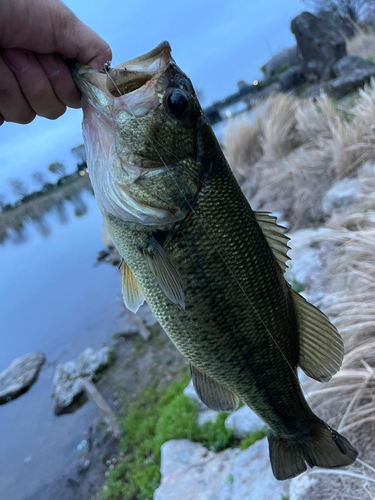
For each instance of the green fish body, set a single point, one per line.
(210, 268)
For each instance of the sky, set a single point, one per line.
(215, 43)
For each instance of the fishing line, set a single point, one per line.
(151, 141)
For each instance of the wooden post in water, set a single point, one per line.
(103, 408)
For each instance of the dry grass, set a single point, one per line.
(347, 402)
(296, 149)
(363, 45)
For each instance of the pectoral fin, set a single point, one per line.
(211, 393)
(164, 272)
(131, 292)
(275, 236)
(320, 344)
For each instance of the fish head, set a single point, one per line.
(140, 132)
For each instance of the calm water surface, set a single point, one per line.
(54, 300)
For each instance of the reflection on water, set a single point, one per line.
(53, 300)
(12, 224)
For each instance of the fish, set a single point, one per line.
(210, 268)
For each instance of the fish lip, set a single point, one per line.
(124, 78)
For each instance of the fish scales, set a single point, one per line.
(210, 268)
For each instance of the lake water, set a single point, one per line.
(55, 300)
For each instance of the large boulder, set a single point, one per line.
(352, 72)
(20, 376)
(292, 78)
(67, 384)
(251, 477)
(280, 61)
(319, 46)
(341, 195)
(243, 421)
(190, 472)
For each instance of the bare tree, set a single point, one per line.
(57, 168)
(350, 9)
(18, 187)
(39, 178)
(80, 153)
(2, 201)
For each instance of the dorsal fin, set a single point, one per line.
(164, 272)
(321, 349)
(131, 291)
(211, 393)
(275, 236)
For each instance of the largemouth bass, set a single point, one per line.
(210, 267)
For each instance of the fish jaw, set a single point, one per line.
(112, 101)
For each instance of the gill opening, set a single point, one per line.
(168, 170)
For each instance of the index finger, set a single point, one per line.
(59, 76)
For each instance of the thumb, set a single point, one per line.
(75, 40)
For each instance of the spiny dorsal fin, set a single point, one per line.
(321, 349)
(165, 273)
(275, 236)
(211, 393)
(131, 292)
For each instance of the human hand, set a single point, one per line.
(34, 79)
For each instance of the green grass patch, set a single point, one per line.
(251, 438)
(297, 286)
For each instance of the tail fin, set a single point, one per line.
(323, 448)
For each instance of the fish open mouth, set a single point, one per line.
(133, 74)
(125, 77)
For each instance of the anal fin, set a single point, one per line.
(321, 349)
(211, 393)
(131, 291)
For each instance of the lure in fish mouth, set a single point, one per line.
(210, 268)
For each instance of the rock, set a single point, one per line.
(67, 384)
(314, 90)
(282, 60)
(190, 392)
(206, 416)
(308, 247)
(20, 376)
(344, 84)
(342, 194)
(250, 477)
(291, 78)
(301, 486)
(191, 472)
(83, 465)
(243, 422)
(319, 46)
(348, 64)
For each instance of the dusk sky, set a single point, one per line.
(215, 43)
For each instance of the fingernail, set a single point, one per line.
(17, 59)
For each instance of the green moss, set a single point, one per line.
(251, 438)
(297, 286)
(155, 417)
(230, 479)
(215, 436)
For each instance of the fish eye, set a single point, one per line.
(177, 102)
